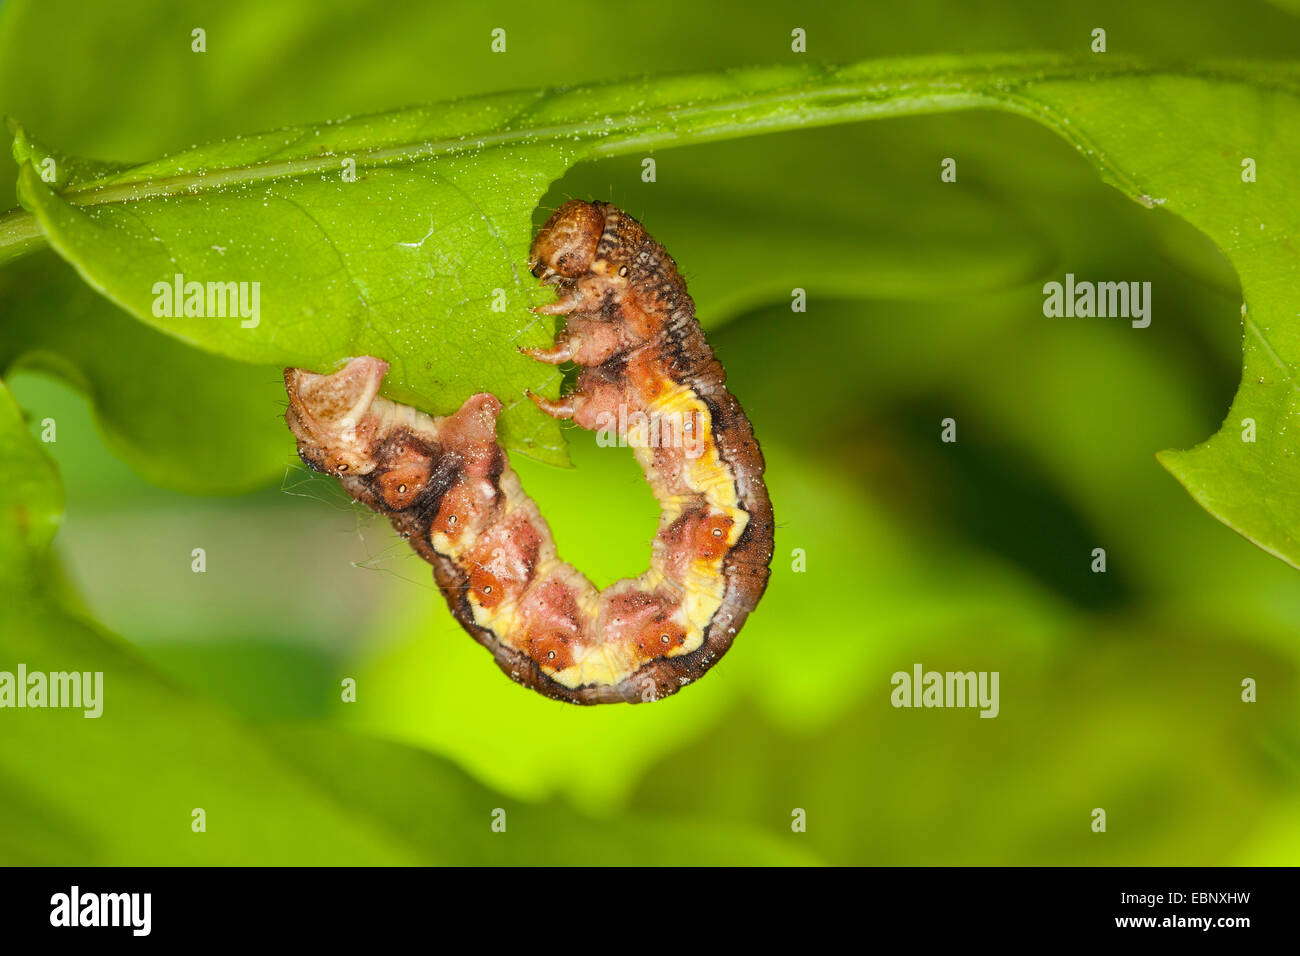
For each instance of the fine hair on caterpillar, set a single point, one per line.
(647, 381)
(389, 557)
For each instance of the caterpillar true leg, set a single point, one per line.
(562, 409)
(648, 374)
(561, 352)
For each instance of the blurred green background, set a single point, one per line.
(1118, 690)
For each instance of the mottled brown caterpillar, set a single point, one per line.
(448, 486)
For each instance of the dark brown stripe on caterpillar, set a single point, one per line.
(648, 375)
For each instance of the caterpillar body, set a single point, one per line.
(448, 487)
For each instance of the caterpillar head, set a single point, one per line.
(329, 415)
(566, 245)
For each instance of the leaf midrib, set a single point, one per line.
(920, 85)
(946, 86)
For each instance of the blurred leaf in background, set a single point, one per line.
(1120, 690)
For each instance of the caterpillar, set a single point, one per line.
(646, 372)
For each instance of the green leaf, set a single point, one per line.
(128, 85)
(183, 418)
(402, 263)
